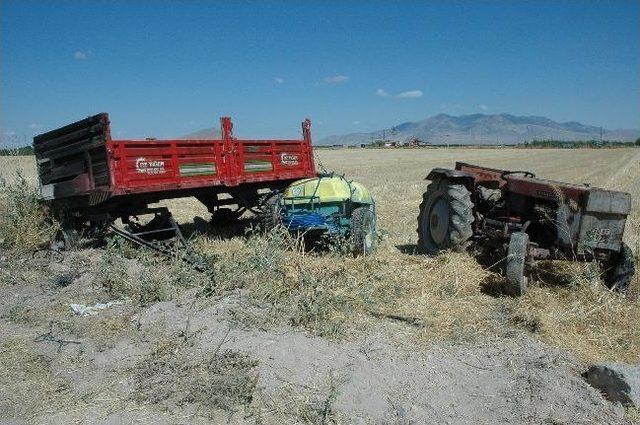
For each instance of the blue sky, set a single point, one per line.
(166, 68)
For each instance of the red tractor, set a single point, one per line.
(526, 219)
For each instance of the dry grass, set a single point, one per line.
(302, 404)
(28, 386)
(448, 298)
(25, 223)
(171, 375)
(142, 276)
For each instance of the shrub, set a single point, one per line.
(144, 278)
(25, 223)
(284, 283)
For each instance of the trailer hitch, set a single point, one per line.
(152, 235)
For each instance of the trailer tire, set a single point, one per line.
(66, 239)
(446, 217)
(270, 215)
(225, 216)
(363, 230)
(620, 269)
(516, 258)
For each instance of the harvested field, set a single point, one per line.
(284, 336)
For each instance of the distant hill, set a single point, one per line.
(481, 129)
(205, 133)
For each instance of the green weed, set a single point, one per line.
(26, 223)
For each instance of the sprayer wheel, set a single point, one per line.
(363, 230)
(270, 213)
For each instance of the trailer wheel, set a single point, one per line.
(66, 239)
(226, 215)
(269, 216)
(619, 270)
(516, 256)
(446, 217)
(363, 230)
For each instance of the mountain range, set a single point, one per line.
(205, 133)
(482, 129)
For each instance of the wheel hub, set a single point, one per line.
(439, 221)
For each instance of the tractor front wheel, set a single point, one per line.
(363, 230)
(619, 270)
(516, 258)
(446, 217)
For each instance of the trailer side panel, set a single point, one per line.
(81, 165)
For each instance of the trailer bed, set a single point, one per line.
(81, 166)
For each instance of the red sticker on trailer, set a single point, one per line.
(289, 159)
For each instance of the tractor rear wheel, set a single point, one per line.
(516, 258)
(363, 230)
(446, 217)
(620, 269)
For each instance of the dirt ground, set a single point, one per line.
(177, 354)
(372, 378)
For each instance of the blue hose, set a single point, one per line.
(301, 221)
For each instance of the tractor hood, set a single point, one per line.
(327, 189)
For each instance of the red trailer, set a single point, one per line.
(88, 177)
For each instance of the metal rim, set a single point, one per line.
(439, 221)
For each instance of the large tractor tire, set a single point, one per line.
(446, 217)
(516, 259)
(619, 270)
(363, 230)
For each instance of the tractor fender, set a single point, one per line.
(450, 174)
(463, 177)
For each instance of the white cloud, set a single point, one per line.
(278, 80)
(410, 94)
(336, 79)
(382, 93)
(79, 55)
(483, 107)
(34, 126)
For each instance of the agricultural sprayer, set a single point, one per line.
(327, 207)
